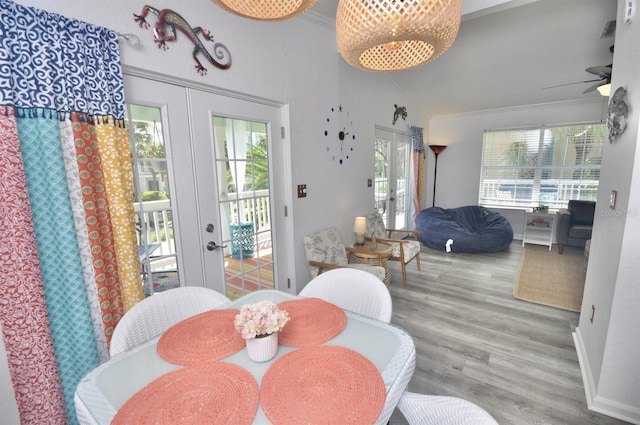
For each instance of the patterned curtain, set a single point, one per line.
(418, 168)
(68, 250)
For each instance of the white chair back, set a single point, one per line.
(354, 290)
(154, 315)
(421, 409)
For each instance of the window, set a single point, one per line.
(541, 166)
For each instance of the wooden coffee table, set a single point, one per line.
(365, 254)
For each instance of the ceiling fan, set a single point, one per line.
(604, 77)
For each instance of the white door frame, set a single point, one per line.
(282, 214)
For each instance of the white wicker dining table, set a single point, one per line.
(107, 388)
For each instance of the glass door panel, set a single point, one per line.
(381, 186)
(402, 183)
(392, 177)
(152, 190)
(242, 161)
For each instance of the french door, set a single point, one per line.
(241, 189)
(393, 177)
(209, 158)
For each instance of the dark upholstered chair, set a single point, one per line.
(575, 223)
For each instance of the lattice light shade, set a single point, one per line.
(391, 35)
(266, 10)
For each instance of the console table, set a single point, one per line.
(539, 228)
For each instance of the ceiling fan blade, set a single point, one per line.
(602, 71)
(569, 84)
(592, 88)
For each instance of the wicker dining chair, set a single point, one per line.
(354, 290)
(422, 409)
(154, 315)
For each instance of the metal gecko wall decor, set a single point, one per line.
(164, 31)
(400, 112)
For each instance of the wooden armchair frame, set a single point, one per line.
(401, 242)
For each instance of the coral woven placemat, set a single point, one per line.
(322, 384)
(208, 393)
(206, 336)
(313, 321)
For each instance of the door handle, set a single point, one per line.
(212, 246)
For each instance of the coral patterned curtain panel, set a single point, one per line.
(68, 250)
(417, 141)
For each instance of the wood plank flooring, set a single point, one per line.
(475, 341)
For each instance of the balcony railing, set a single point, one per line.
(554, 193)
(154, 221)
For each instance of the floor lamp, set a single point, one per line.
(436, 149)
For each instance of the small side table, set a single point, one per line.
(367, 255)
(539, 228)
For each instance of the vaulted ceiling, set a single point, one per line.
(507, 52)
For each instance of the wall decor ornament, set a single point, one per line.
(400, 112)
(617, 114)
(339, 127)
(164, 31)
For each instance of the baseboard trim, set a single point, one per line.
(596, 403)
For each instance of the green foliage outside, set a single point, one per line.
(257, 171)
(163, 236)
(582, 138)
(144, 144)
(154, 195)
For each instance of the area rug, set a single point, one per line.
(163, 281)
(551, 279)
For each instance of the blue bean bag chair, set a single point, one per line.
(472, 229)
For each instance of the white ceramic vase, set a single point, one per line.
(263, 349)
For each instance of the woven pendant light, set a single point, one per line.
(266, 10)
(391, 35)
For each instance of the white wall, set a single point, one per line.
(459, 165)
(339, 193)
(609, 348)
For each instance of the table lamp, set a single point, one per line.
(360, 228)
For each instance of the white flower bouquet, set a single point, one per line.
(260, 319)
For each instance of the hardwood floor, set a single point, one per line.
(475, 341)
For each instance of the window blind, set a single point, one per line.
(543, 166)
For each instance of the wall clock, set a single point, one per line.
(339, 134)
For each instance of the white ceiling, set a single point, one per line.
(506, 52)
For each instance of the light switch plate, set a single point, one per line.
(302, 191)
(612, 199)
